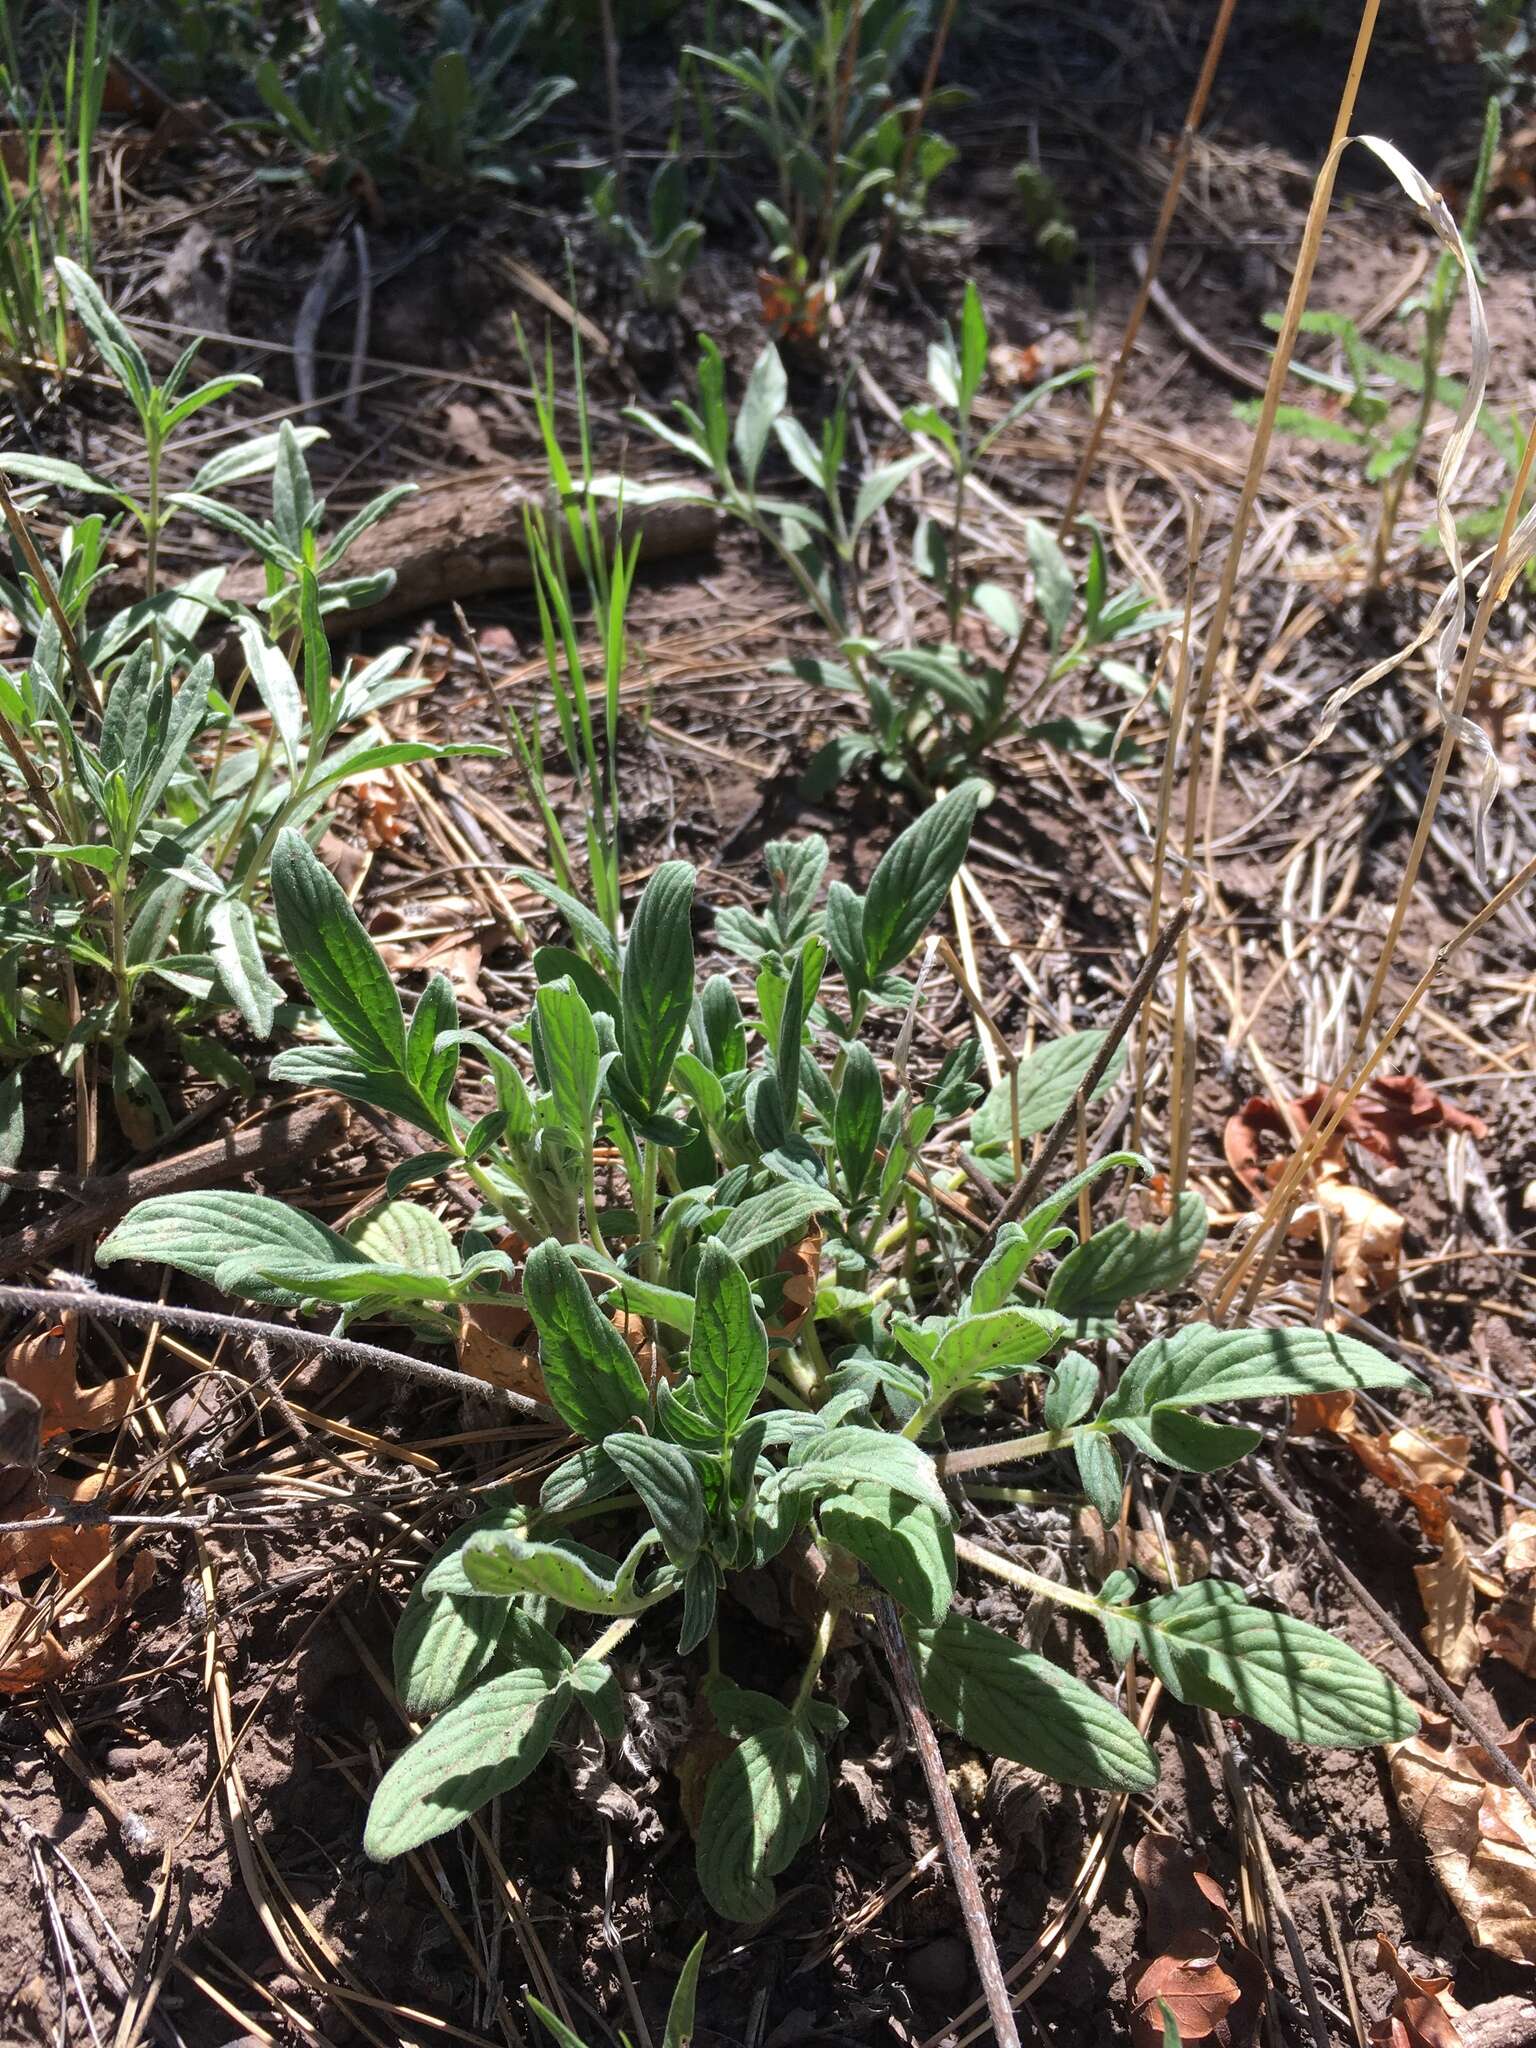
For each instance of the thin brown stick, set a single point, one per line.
(291, 1136)
(1473, 1723)
(1194, 115)
(957, 1849)
(122, 1308)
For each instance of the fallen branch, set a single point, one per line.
(957, 1849)
(122, 1308)
(290, 1137)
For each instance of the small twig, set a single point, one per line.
(122, 1308)
(957, 1849)
(1198, 344)
(290, 1135)
(1473, 1723)
(312, 311)
(1066, 1124)
(361, 321)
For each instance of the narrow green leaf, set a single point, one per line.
(335, 958)
(1201, 1364)
(1019, 1706)
(761, 404)
(482, 1746)
(236, 951)
(572, 1058)
(657, 981)
(856, 1119)
(589, 1581)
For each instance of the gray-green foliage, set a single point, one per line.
(144, 803)
(931, 711)
(753, 1421)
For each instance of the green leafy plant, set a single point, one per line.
(752, 1424)
(932, 711)
(366, 97)
(45, 195)
(1382, 404)
(817, 96)
(664, 247)
(140, 808)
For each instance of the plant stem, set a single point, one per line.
(1028, 1581)
(645, 1208)
(819, 1649)
(611, 1637)
(1012, 1450)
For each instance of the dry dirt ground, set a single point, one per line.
(239, 1714)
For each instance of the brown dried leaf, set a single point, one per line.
(800, 1268)
(498, 1345)
(1479, 1833)
(1423, 2013)
(1508, 1629)
(44, 1633)
(1143, 1550)
(1199, 1964)
(45, 1366)
(1411, 1462)
(378, 802)
(1445, 1587)
(1393, 1107)
(1367, 1237)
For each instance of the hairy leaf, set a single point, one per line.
(908, 1547)
(335, 958)
(913, 878)
(728, 1356)
(1016, 1705)
(482, 1746)
(1212, 1649)
(590, 1372)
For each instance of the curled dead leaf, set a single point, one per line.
(44, 1365)
(799, 1270)
(1445, 1587)
(82, 1594)
(1198, 1964)
(1419, 1464)
(1508, 1629)
(1423, 2013)
(1480, 1835)
(1144, 1551)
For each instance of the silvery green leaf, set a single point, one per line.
(908, 1547)
(481, 1746)
(1014, 1704)
(1122, 1263)
(1212, 1648)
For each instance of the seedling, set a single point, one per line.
(366, 102)
(932, 711)
(141, 817)
(721, 1418)
(817, 98)
(664, 248)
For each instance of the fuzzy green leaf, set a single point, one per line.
(199, 1230)
(909, 1549)
(764, 1801)
(590, 1372)
(728, 1356)
(1200, 1365)
(335, 958)
(913, 878)
(668, 1485)
(568, 1572)
(1046, 1082)
(1121, 1263)
(482, 1746)
(657, 982)
(1019, 1706)
(838, 1458)
(1212, 1649)
(856, 1119)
